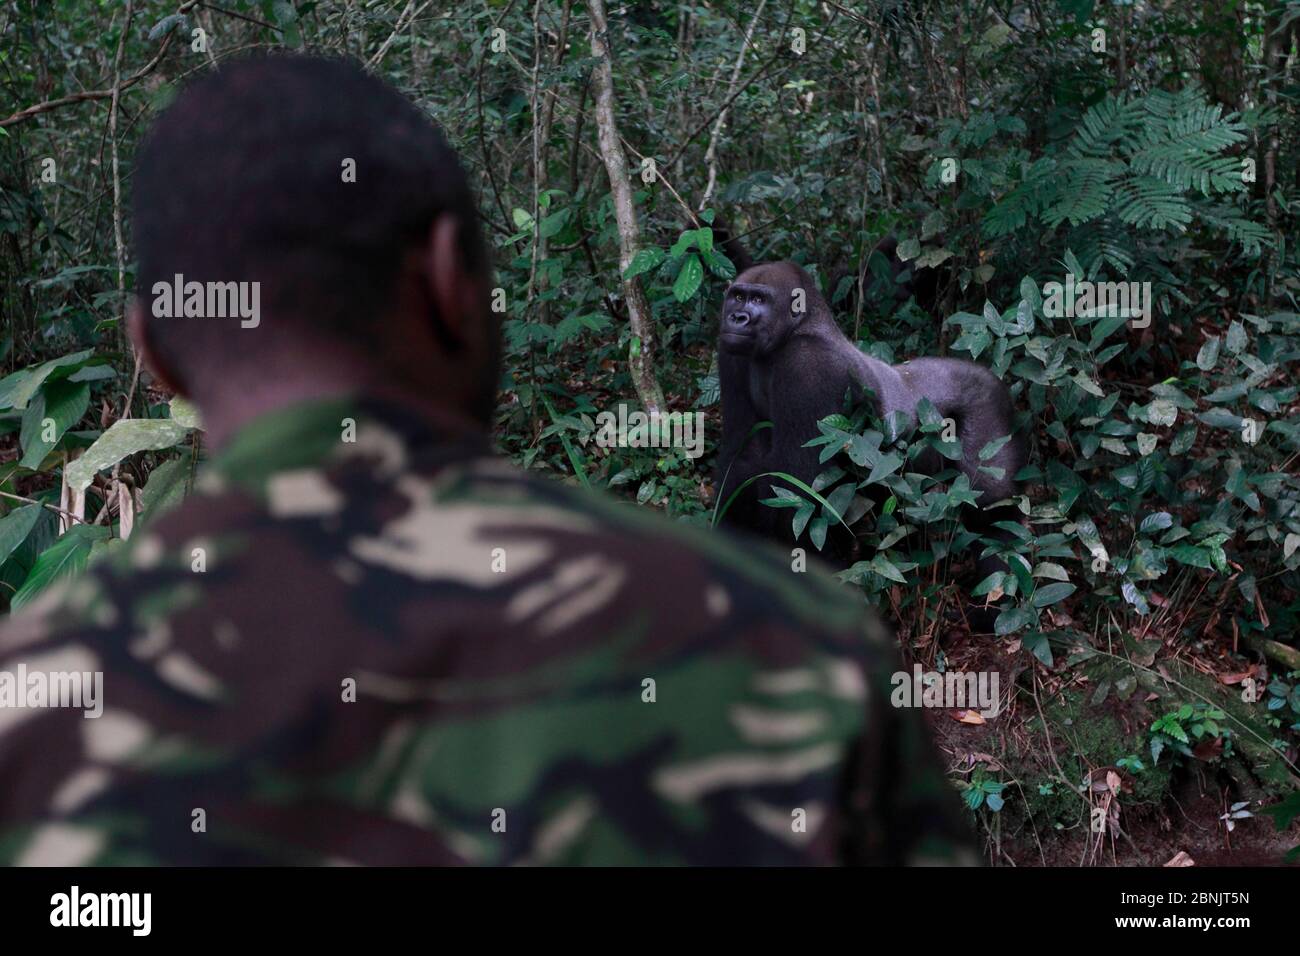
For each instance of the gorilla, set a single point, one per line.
(794, 368)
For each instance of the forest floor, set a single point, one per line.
(1073, 743)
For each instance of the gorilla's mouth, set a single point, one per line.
(736, 341)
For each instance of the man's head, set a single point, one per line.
(334, 205)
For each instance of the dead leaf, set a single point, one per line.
(1181, 859)
(1259, 608)
(1108, 780)
(125, 511)
(1238, 678)
(966, 716)
(64, 498)
(1208, 749)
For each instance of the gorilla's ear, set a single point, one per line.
(801, 291)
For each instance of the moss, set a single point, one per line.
(1101, 721)
(1254, 766)
(1091, 725)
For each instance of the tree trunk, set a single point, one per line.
(642, 352)
(1222, 51)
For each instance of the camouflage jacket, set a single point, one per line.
(358, 642)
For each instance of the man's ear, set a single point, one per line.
(457, 293)
(138, 329)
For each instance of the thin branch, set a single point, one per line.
(758, 74)
(407, 15)
(118, 243)
(711, 154)
(241, 16)
(44, 504)
(482, 141)
(39, 108)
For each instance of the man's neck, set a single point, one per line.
(226, 409)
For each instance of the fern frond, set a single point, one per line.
(1189, 168)
(1085, 192)
(1102, 243)
(1183, 142)
(1105, 126)
(1149, 203)
(1251, 236)
(1037, 189)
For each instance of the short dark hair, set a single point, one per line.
(242, 179)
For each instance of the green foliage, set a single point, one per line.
(983, 790)
(46, 402)
(1283, 701)
(1138, 160)
(64, 558)
(1183, 728)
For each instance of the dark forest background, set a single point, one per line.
(1148, 639)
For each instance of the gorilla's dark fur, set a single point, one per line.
(794, 369)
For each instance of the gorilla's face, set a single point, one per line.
(756, 311)
(748, 319)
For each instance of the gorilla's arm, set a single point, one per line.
(807, 381)
(740, 452)
(803, 384)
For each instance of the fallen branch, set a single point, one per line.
(1288, 657)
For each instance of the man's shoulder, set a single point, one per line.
(667, 553)
(478, 522)
(520, 617)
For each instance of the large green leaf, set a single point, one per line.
(124, 438)
(16, 390)
(1014, 619)
(1050, 594)
(65, 557)
(643, 261)
(165, 487)
(63, 404)
(689, 279)
(14, 528)
(184, 413)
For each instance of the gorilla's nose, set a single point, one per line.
(739, 319)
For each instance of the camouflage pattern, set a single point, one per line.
(500, 716)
